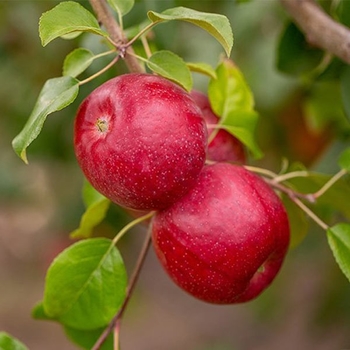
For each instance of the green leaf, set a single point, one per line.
(246, 137)
(299, 225)
(295, 56)
(333, 70)
(232, 100)
(323, 107)
(229, 91)
(7, 342)
(65, 18)
(87, 338)
(97, 207)
(345, 90)
(84, 338)
(216, 25)
(343, 12)
(38, 312)
(344, 160)
(93, 199)
(86, 284)
(172, 67)
(121, 6)
(71, 36)
(94, 215)
(77, 61)
(202, 68)
(339, 242)
(56, 94)
(90, 194)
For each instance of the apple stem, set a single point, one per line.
(115, 323)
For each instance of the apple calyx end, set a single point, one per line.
(102, 125)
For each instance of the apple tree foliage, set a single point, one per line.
(87, 284)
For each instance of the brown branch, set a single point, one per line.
(319, 28)
(106, 18)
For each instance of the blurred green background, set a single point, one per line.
(308, 306)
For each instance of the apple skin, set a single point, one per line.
(224, 147)
(224, 241)
(140, 140)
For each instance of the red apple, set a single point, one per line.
(225, 240)
(140, 140)
(224, 147)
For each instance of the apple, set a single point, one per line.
(140, 140)
(224, 147)
(226, 239)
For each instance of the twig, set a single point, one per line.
(310, 213)
(291, 193)
(329, 183)
(295, 197)
(116, 319)
(319, 28)
(106, 18)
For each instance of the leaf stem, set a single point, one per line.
(130, 225)
(146, 47)
(104, 69)
(310, 213)
(120, 19)
(291, 193)
(216, 128)
(137, 36)
(291, 175)
(261, 171)
(329, 184)
(116, 336)
(140, 57)
(106, 53)
(295, 197)
(115, 323)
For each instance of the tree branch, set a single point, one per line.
(106, 18)
(116, 319)
(319, 28)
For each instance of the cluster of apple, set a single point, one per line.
(219, 230)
